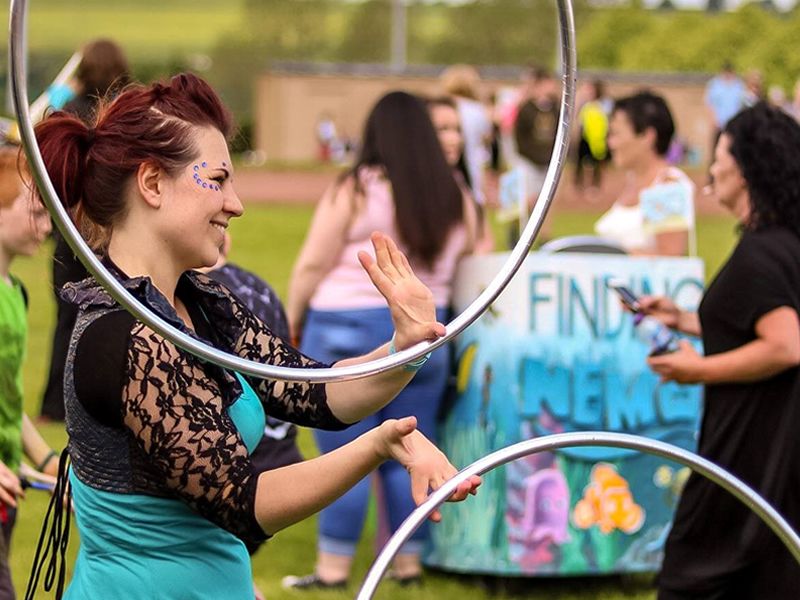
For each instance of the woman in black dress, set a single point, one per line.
(749, 323)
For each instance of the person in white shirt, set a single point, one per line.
(462, 82)
(654, 214)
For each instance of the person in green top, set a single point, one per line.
(24, 224)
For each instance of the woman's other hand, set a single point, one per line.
(427, 465)
(10, 488)
(410, 302)
(684, 365)
(662, 308)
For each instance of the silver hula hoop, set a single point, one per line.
(17, 53)
(571, 440)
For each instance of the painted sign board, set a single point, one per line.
(557, 353)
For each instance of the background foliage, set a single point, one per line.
(232, 41)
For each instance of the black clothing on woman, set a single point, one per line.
(145, 417)
(66, 269)
(717, 547)
(278, 447)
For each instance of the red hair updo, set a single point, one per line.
(90, 164)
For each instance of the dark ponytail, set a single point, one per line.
(65, 141)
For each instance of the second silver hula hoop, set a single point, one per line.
(698, 464)
(17, 53)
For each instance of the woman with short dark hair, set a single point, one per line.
(748, 319)
(639, 135)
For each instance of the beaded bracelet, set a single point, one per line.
(414, 365)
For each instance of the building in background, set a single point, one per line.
(290, 97)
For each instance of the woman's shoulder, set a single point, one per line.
(776, 239)
(104, 343)
(370, 175)
(673, 174)
(100, 330)
(768, 249)
(362, 183)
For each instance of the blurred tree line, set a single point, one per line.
(503, 32)
(633, 39)
(481, 32)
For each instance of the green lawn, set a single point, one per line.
(266, 241)
(147, 29)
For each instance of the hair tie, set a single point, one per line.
(91, 135)
(159, 91)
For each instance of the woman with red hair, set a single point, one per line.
(163, 486)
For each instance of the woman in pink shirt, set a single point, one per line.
(402, 186)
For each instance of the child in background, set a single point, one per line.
(24, 225)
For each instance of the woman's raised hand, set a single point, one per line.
(410, 301)
(427, 465)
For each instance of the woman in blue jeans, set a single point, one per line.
(403, 187)
(337, 337)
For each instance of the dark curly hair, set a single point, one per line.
(765, 143)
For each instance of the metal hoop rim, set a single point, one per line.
(697, 463)
(17, 53)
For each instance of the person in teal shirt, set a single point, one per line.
(164, 489)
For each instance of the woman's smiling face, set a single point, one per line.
(201, 202)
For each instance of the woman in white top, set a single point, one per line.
(654, 214)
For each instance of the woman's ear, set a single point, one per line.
(651, 135)
(150, 184)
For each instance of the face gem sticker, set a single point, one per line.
(205, 184)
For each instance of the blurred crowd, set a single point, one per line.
(426, 172)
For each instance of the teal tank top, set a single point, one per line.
(138, 547)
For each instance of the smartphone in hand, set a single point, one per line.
(649, 330)
(628, 298)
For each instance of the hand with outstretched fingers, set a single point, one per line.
(427, 465)
(410, 301)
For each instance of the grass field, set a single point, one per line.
(147, 29)
(266, 241)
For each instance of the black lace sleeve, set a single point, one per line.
(300, 403)
(177, 416)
